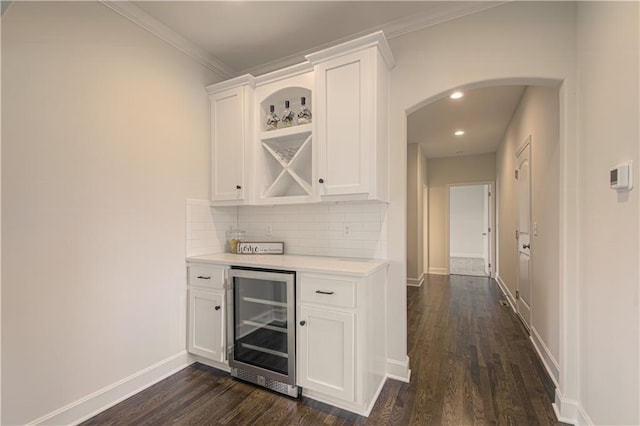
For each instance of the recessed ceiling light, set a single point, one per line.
(456, 95)
(459, 132)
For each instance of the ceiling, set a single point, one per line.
(261, 36)
(238, 37)
(483, 114)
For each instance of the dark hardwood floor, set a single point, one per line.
(471, 363)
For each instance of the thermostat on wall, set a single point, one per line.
(621, 177)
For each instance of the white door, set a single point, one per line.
(326, 353)
(486, 234)
(228, 129)
(205, 324)
(523, 185)
(343, 106)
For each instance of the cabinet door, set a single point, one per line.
(228, 132)
(345, 119)
(206, 313)
(326, 352)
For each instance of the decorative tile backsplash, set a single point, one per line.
(315, 229)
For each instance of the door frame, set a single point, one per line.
(492, 221)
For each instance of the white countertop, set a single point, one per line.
(336, 265)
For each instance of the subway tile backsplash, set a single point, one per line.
(317, 229)
(206, 227)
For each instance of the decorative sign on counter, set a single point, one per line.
(253, 247)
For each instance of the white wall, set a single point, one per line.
(608, 73)
(416, 179)
(537, 116)
(466, 221)
(520, 42)
(442, 173)
(104, 136)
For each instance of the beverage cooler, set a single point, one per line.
(261, 328)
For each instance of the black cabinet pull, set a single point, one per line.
(321, 180)
(202, 277)
(238, 187)
(303, 322)
(526, 246)
(324, 292)
(217, 308)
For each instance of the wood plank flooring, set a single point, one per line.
(471, 363)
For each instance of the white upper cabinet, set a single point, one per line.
(339, 153)
(230, 107)
(351, 115)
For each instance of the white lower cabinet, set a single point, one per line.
(340, 352)
(206, 311)
(326, 351)
(206, 324)
(340, 338)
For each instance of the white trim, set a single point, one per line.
(415, 282)
(413, 23)
(224, 366)
(107, 397)
(506, 292)
(438, 271)
(548, 360)
(469, 255)
(139, 17)
(398, 370)
(375, 39)
(243, 80)
(391, 29)
(281, 74)
(376, 395)
(570, 411)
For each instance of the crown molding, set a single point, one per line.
(242, 80)
(376, 39)
(391, 30)
(410, 24)
(166, 34)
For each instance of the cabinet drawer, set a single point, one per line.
(206, 276)
(328, 290)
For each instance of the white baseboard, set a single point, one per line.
(376, 396)
(438, 271)
(224, 366)
(545, 355)
(415, 282)
(398, 370)
(470, 255)
(506, 292)
(92, 404)
(570, 411)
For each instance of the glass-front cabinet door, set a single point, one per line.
(262, 323)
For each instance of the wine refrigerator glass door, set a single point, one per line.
(262, 323)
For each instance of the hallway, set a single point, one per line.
(471, 363)
(471, 359)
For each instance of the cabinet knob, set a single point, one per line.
(238, 187)
(321, 180)
(526, 246)
(217, 308)
(303, 322)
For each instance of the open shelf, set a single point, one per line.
(286, 155)
(292, 132)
